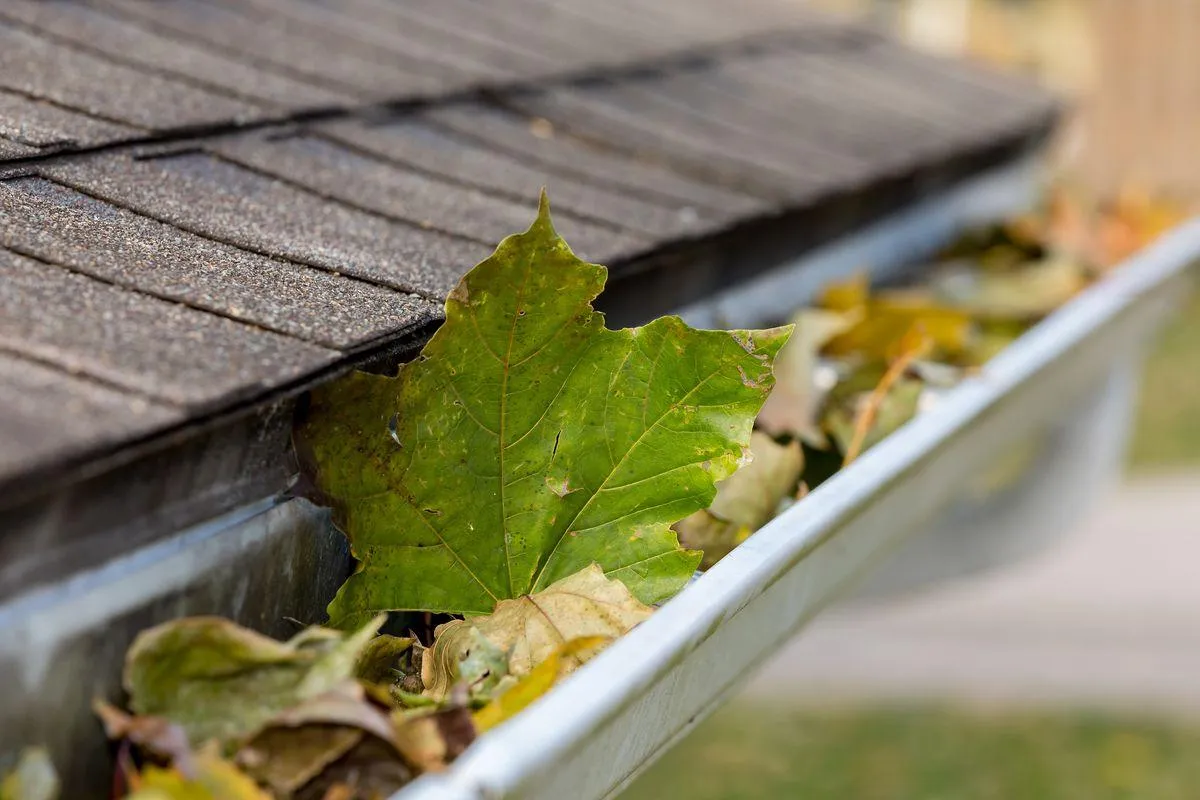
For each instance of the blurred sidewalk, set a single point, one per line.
(1108, 619)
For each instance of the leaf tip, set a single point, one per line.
(543, 221)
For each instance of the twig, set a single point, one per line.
(914, 344)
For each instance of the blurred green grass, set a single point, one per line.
(759, 752)
(1167, 434)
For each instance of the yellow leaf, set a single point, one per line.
(846, 295)
(539, 681)
(878, 337)
(215, 779)
(913, 345)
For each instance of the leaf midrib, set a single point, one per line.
(600, 489)
(503, 475)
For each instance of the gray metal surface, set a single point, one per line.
(593, 734)
(268, 566)
(1025, 499)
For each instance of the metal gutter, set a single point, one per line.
(593, 734)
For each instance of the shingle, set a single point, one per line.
(46, 126)
(40, 68)
(365, 182)
(206, 195)
(538, 143)
(489, 27)
(628, 36)
(985, 98)
(328, 60)
(578, 41)
(579, 113)
(873, 100)
(870, 96)
(469, 55)
(680, 25)
(92, 30)
(220, 271)
(813, 99)
(11, 149)
(163, 350)
(807, 94)
(409, 141)
(652, 102)
(52, 416)
(179, 63)
(59, 224)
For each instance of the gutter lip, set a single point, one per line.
(507, 761)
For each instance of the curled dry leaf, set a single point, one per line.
(301, 741)
(32, 778)
(345, 705)
(850, 294)
(913, 345)
(462, 653)
(794, 403)
(746, 500)
(529, 629)
(516, 698)
(431, 738)
(529, 441)
(155, 735)
(220, 681)
(339, 791)
(285, 759)
(884, 414)
(371, 770)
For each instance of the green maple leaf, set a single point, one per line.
(527, 441)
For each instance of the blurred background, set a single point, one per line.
(1076, 673)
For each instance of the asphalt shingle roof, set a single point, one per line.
(208, 205)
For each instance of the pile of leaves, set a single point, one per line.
(528, 481)
(863, 362)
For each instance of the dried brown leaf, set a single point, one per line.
(746, 500)
(532, 627)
